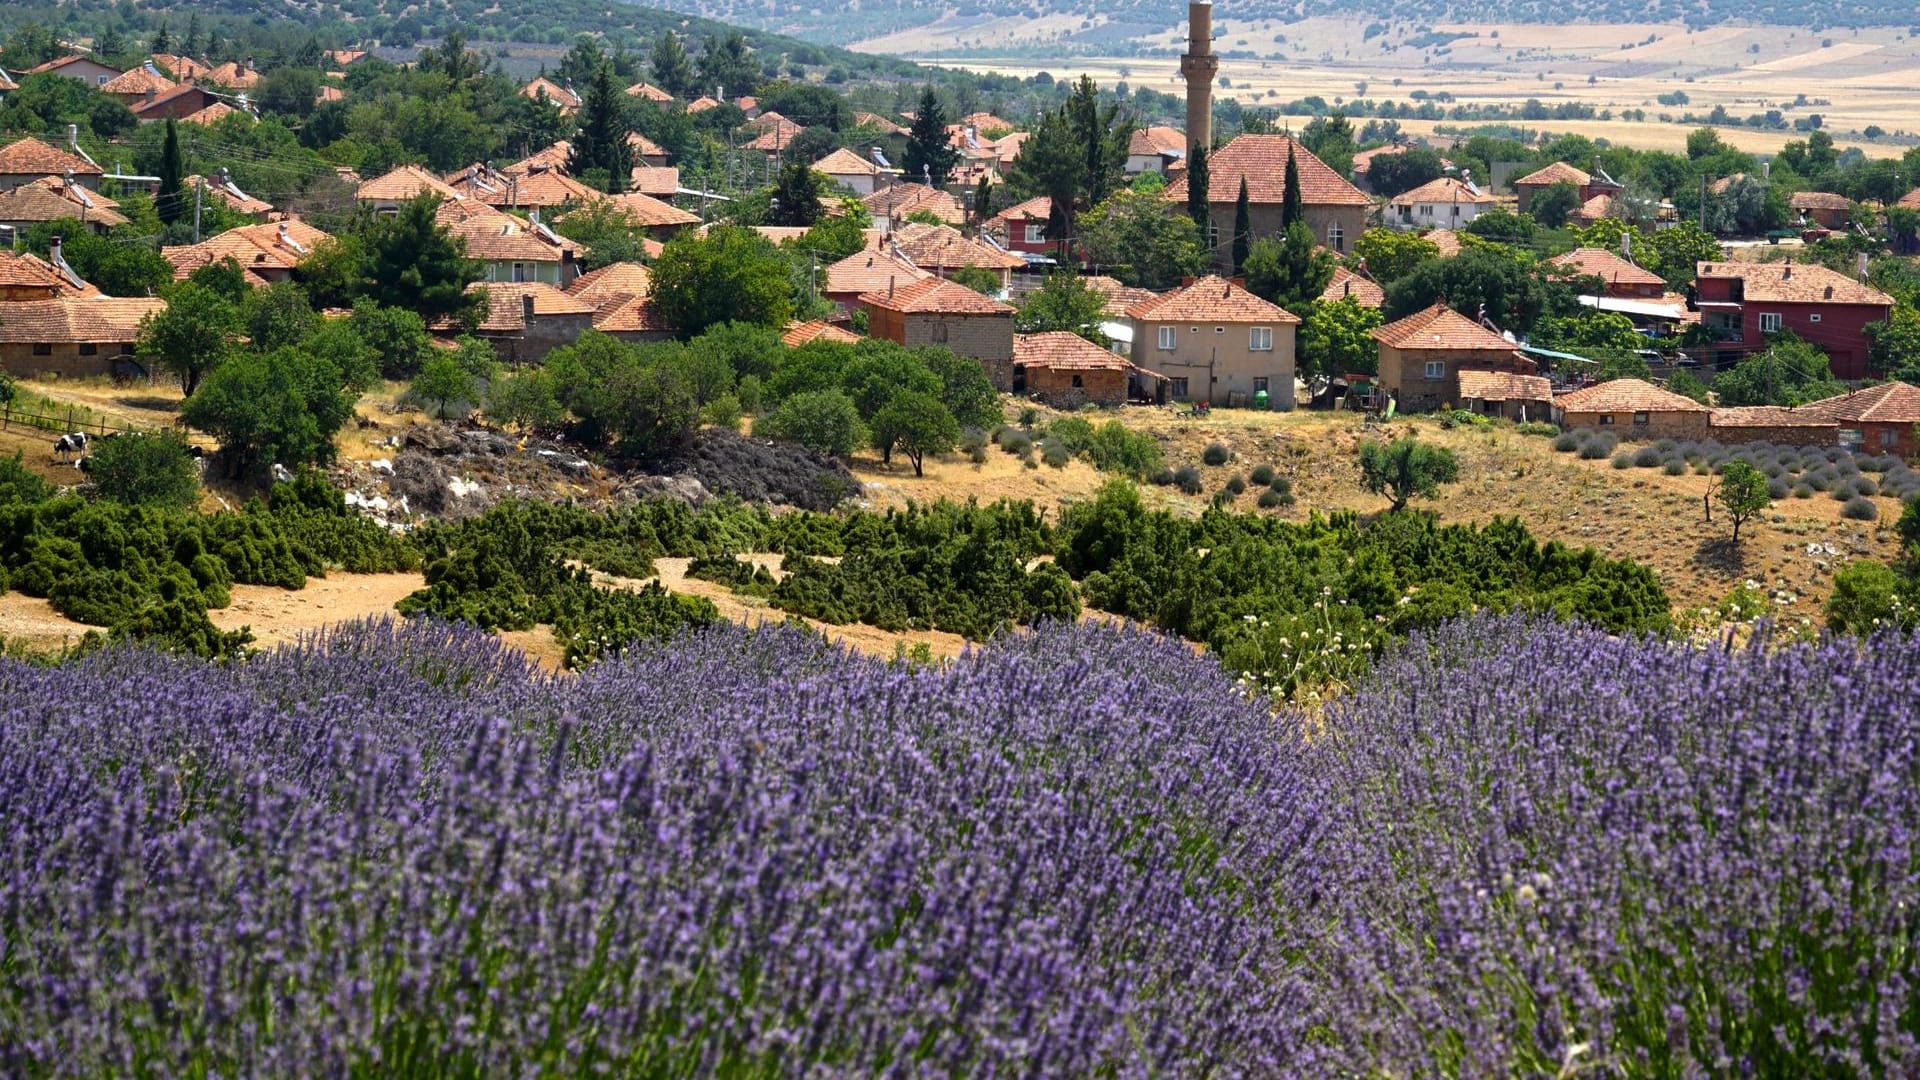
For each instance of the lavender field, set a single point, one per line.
(1520, 848)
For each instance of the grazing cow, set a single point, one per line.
(85, 465)
(73, 443)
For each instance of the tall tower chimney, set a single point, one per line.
(1199, 65)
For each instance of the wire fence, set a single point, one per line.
(75, 419)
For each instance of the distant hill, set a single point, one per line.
(1110, 27)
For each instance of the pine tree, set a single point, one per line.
(601, 145)
(929, 158)
(796, 196)
(168, 201)
(1242, 228)
(1291, 206)
(1199, 180)
(162, 39)
(672, 71)
(982, 200)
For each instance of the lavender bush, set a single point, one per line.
(405, 852)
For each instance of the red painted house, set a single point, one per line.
(1025, 226)
(1742, 303)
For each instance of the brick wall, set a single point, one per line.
(1352, 221)
(1659, 425)
(1782, 435)
(544, 333)
(1403, 373)
(986, 338)
(63, 361)
(1056, 388)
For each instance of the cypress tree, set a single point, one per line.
(1198, 182)
(167, 202)
(1291, 206)
(1242, 228)
(601, 143)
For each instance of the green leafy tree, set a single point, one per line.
(168, 199)
(671, 69)
(1552, 205)
(1896, 344)
(1292, 271)
(797, 194)
(1242, 229)
(608, 230)
(732, 274)
(1389, 254)
(725, 65)
(824, 421)
(1501, 225)
(1052, 163)
(1395, 174)
(412, 262)
(1742, 490)
(224, 277)
(600, 146)
(1501, 280)
(835, 237)
(526, 400)
(917, 425)
(191, 336)
(397, 336)
(282, 407)
(1676, 252)
(1789, 371)
(122, 263)
(978, 278)
(1336, 339)
(1688, 385)
(1064, 302)
(442, 381)
(963, 386)
(1143, 239)
(279, 315)
(1406, 468)
(289, 91)
(139, 468)
(929, 156)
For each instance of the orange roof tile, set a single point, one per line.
(1063, 351)
(1818, 200)
(49, 199)
(212, 114)
(184, 68)
(877, 122)
(1886, 403)
(1038, 208)
(500, 237)
(644, 147)
(1504, 386)
(137, 81)
(1440, 328)
(505, 311)
(1119, 297)
(630, 278)
(1607, 266)
(1554, 173)
(1262, 161)
(702, 104)
(869, 271)
(1211, 299)
(401, 183)
(279, 245)
(649, 212)
(1626, 395)
(234, 73)
(797, 334)
(844, 162)
(541, 86)
(99, 320)
(1910, 201)
(25, 270)
(660, 181)
(776, 137)
(648, 91)
(1768, 416)
(1443, 189)
(1795, 283)
(329, 93)
(1152, 139)
(1446, 240)
(1345, 283)
(935, 296)
(899, 200)
(943, 247)
(1600, 206)
(30, 156)
(59, 62)
(229, 194)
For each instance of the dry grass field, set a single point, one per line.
(1852, 78)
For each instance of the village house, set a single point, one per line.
(527, 320)
(1155, 149)
(853, 172)
(1559, 172)
(267, 253)
(1423, 355)
(937, 312)
(892, 205)
(1618, 277)
(26, 160)
(1335, 210)
(215, 113)
(775, 135)
(1345, 285)
(1443, 203)
(1504, 394)
(1216, 342)
(661, 220)
(874, 122)
(1024, 225)
(1633, 409)
(796, 334)
(1742, 303)
(871, 271)
(645, 151)
(54, 199)
(182, 69)
(221, 189)
(396, 187)
(83, 68)
(26, 276)
(1773, 424)
(659, 181)
(512, 250)
(621, 295)
(1066, 371)
(537, 187)
(72, 336)
(1875, 419)
(542, 88)
(943, 249)
(649, 92)
(187, 99)
(234, 75)
(1822, 209)
(137, 85)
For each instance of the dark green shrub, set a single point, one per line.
(1269, 499)
(1162, 477)
(1566, 442)
(1236, 484)
(1187, 479)
(1216, 454)
(1860, 508)
(1261, 474)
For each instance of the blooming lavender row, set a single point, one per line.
(401, 851)
(1566, 853)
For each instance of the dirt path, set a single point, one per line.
(754, 611)
(33, 623)
(277, 615)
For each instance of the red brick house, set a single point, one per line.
(1877, 419)
(1741, 303)
(1423, 356)
(1822, 208)
(1334, 209)
(1067, 371)
(1618, 277)
(1025, 226)
(1589, 185)
(934, 311)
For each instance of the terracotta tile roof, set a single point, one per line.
(648, 91)
(1885, 403)
(1625, 395)
(6, 82)
(1504, 386)
(621, 297)
(1038, 208)
(212, 114)
(552, 156)
(1210, 299)
(1768, 416)
(344, 57)
(234, 73)
(159, 101)
(875, 121)
(1063, 351)
(1818, 200)
(702, 104)
(1262, 160)
(869, 271)
(137, 82)
(535, 187)
(1119, 297)
(797, 334)
(1439, 328)
(1446, 240)
(279, 245)
(230, 196)
(983, 121)
(943, 247)
(1445, 189)
(1008, 146)
(649, 212)
(746, 102)
(1795, 283)
(660, 181)
(1555, 173)
(935, 296)
(402, 183)
(776, 137)
(630, 278)
(49, 199)
(1345, 283)
(1607, 266)
(30, 156)
(1911, 200)
(766, 120)
(499, 237)
(541, 86)
(1594, 209)
(184, 68)
(25, 270)
(329, 93)
(899, 200)
(1154, 139)
(62, 61)
(100, 320)
(505, 312)
(644, 147)
(844, 162)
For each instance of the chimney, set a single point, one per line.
(526, 306)
(1199, 66)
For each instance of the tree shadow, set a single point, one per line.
(155, 404)
(1722, 554)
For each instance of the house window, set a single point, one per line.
(1213, 234)
(1177, 387)
(41, 348)
(1168, 336)
(1260, 385)
(1336, 237)
(1036, 234)
(519, 271)
(1456, 209)
(88, 348)
(99, 80)
(1642, 418)
(1889, 437)
(1815, 317)
(940, 332)
(1260, 339)
(1436, 369)
(1606, 420)
(1769, 322)
(1219, 329)
(1852, 437)
(1078, 382)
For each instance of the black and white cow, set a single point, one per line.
(70, 444)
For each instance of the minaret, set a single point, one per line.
(1199, 65)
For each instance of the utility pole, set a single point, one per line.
(199, 187)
